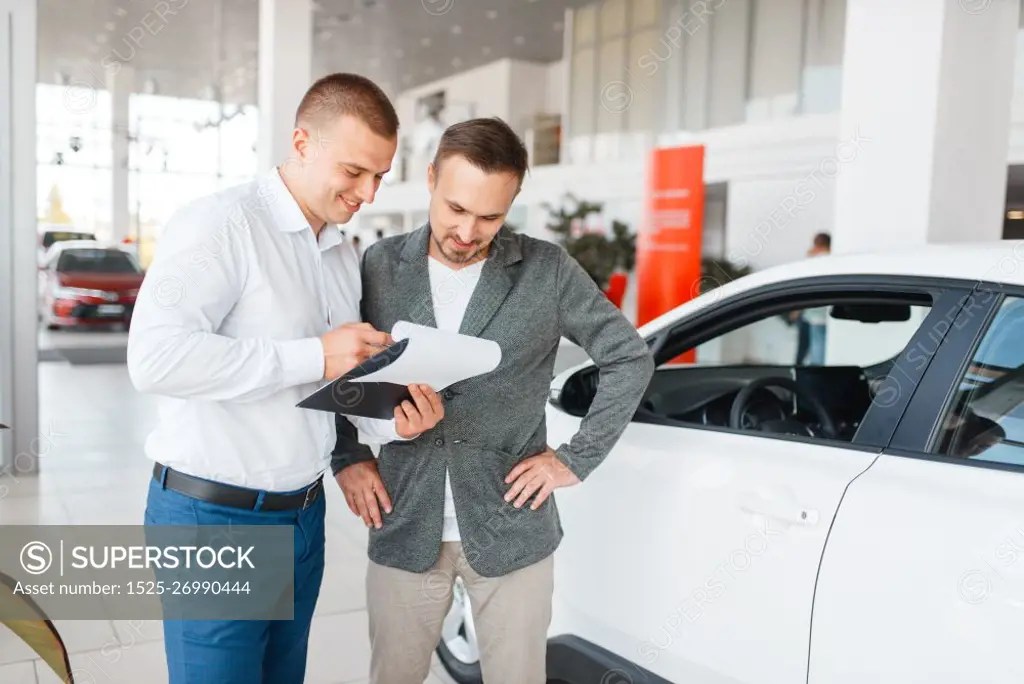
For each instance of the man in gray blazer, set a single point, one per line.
(472, 496)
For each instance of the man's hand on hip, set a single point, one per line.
(541, 474)
(413, 418)
(348, 345)
(364, 491)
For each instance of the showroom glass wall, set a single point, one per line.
(74, 156)
(179, 149)
(639, 67)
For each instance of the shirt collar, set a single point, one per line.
(288, 217)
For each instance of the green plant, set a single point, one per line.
(596, 255)
(599, 254)
(625, 243)
(717, 272)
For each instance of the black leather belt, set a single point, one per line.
(236, 497)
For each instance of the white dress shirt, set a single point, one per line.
(226, 330)
(451, 290)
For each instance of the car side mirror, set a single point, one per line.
(578, 392)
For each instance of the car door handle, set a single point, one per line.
(779, 510)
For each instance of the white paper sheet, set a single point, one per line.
(437, 358)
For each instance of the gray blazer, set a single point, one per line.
(530, 294)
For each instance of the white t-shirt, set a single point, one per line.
(451, 290)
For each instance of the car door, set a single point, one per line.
(694, 549)
(923, 575)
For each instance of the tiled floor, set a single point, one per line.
(93, 471)
(95, 346)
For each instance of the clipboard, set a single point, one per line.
(367, 399)
(420, 355)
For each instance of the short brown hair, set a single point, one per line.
(488, 144)
(353, 95)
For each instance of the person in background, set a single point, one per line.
(812, 323)
(473, 496)
(251, 302)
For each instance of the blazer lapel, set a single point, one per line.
(413, 279)
(494, 285)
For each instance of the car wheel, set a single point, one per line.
(458, 650)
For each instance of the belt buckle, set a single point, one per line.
(310, 495)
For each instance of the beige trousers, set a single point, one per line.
(511, 615)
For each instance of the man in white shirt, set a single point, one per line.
(251, 303)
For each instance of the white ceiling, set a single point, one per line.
(185, 47)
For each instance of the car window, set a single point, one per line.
(985, 420)
(96, 261)
(811, 373)
(812, 338)
(50, 237)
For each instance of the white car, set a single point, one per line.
(764, 522)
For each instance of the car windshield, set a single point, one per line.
(96, 261)
(51, 237)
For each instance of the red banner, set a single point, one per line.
(668, 251)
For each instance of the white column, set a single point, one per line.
(19, 398)
(121, 84)
(285, 71)
(925, 122)
(567, 84)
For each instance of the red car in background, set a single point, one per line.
(89, 285)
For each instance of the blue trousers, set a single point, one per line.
(244, 651)
(803, 340)
(816, 344)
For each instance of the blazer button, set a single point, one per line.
(449, 395)
(439, 442)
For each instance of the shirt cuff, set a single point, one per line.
(379, 430)
(577, 465)
(302, 361)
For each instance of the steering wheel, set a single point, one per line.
(787, 425)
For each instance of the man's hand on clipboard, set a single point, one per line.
(413, 418)
(348, 345)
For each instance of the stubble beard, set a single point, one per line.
(457, 257)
